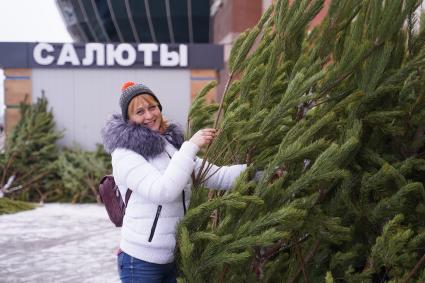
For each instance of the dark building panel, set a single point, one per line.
(14, 55)
(91, 17)
(83, 23)
(123, 22)
(21, 55)
(159, 20)
(73, 23)
(138, 11)
(137, 20)
(106, 20)
(179, 20)
(201, 21)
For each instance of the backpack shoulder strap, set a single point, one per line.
(127, 196)
(107, 177)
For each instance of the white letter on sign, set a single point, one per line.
(147, 49)
(38, 54)
(68, 54)
(116, 55)
(91, 49)
(168, 59)
(183, 55)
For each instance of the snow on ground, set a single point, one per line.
(58, 243)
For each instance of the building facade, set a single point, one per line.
(176, 47)
(82, 81)
(140, 21)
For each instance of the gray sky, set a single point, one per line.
(30, 21)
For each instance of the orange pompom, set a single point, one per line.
(127, 85)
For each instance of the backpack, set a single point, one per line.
(111, 197)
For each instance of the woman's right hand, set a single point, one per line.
(203, 137)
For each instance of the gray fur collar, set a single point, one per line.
(120, 134)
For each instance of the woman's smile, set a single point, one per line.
(150, 124)
(144, 113)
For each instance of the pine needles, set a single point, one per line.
(339, 110)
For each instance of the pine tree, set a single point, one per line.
(27, 164)
(201, 112)
(80, 172)
(340, 111)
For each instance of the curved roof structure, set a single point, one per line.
(168, 21)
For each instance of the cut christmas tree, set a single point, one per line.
(28, 161)
(334, 118)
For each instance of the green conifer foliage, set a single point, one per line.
(201, 112)
(80, 172)
(12, 206)
(35, 169)
(28, 161)
(334, 119)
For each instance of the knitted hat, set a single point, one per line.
(129, 91)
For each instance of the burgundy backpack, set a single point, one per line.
(111, 197)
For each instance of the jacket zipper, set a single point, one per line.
(158, 212)
(184, 202)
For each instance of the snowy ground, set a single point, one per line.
(58, 243)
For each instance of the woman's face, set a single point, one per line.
(144, 113)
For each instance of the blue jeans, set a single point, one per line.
(133, 270)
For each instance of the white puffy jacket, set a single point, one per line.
(159, 186)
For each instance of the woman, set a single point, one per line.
(150, 157)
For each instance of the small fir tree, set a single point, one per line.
(28, 161)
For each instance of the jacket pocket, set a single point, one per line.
(155, 222)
